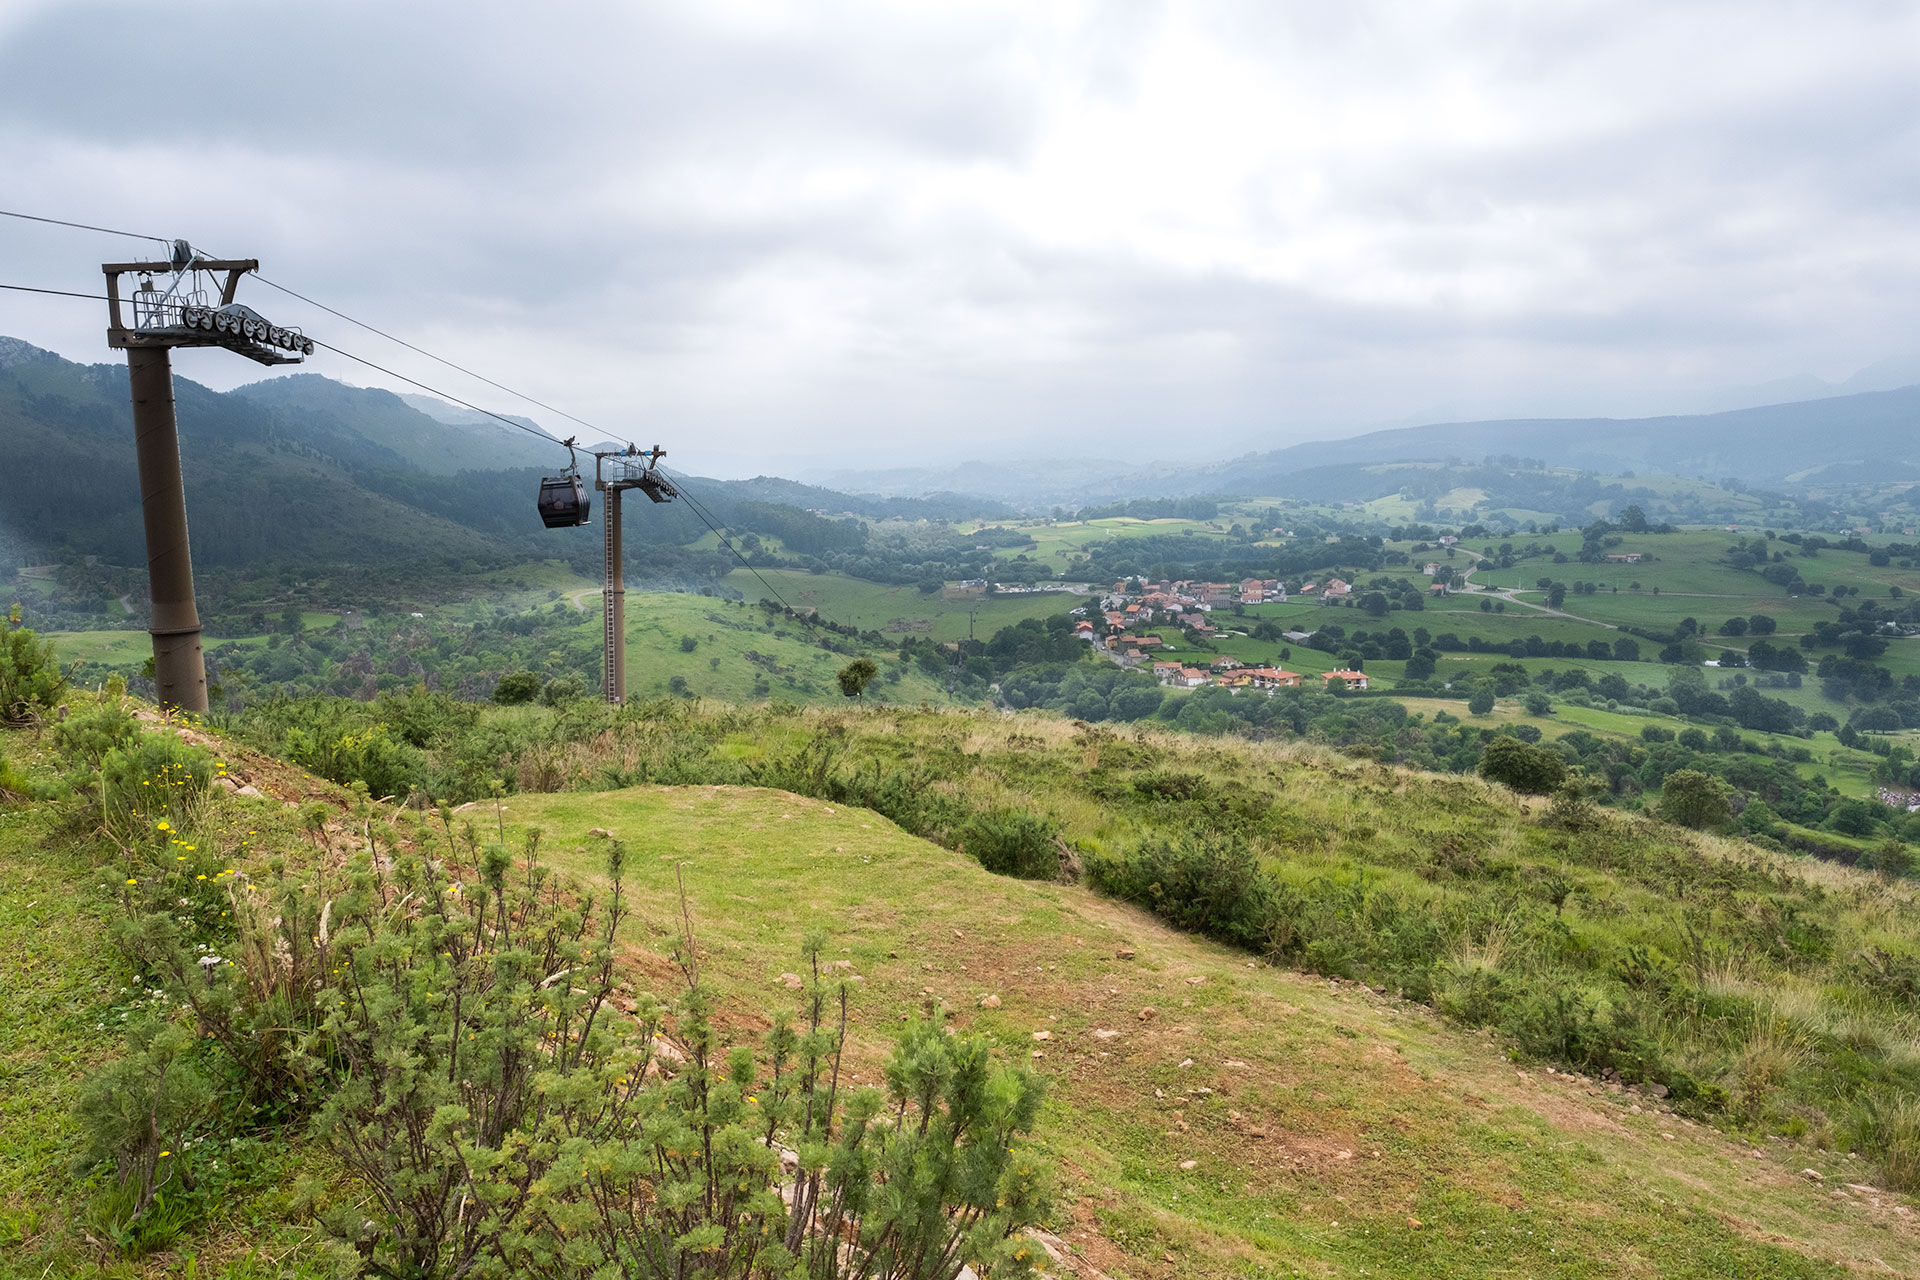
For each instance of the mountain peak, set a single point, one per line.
(14, 352)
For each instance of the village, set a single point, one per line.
(1127, 611)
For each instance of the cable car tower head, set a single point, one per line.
(182, 313)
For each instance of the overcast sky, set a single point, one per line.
(774, 235)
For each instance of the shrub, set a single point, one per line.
(1481, 703)
(511, 1124)
(142, 1115)
(1013, 843)
(516, 687)
(30, 677)
(155, 778)
(1694, 799)
(86, 739)
(1522, 766)
(388, 767)
(1206, 883)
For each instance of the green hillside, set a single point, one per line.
(1213, 1111)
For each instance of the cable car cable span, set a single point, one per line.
(680, 482)
(58, 293)
(444, 395)
(80, 226)
(498, 386)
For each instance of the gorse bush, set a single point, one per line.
(30, 677)
(87, 737)
(1013, 842)
(389, 766)
(457, 1031)
(474, 1063)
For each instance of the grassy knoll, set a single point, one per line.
(1243, 1117)
(1258, 1121)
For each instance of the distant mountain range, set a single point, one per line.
(1864, 436)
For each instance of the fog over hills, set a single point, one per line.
(1867, 435)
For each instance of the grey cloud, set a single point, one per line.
(809, 228)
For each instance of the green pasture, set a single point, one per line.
(898, 611)
(1058, 541)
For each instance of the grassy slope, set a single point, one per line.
(656, 623)
(896, 611)
(1325, 1120)
(1322, 1117)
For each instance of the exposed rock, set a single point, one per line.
(1186, 1062)
(600, 833)
(1043, 1035)
(1104, 1034)
(1149, 1014)
(989, 1002)
(791, 981)
(1189, 1164)
(1658, 1090)
(1124, 953)
(1812, 1175)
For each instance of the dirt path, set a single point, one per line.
(1511, 596)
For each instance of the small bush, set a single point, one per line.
(154, 779)
(86, 739)
(516, 687)
(1013, 843)
(387, 765)
(1211, 884)
(142, 1115)
(30, 677)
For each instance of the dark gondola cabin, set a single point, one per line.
(564, 501)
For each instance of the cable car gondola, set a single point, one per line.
(564, 500)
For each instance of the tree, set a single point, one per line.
(1694, 799)
(1892, 860)
(856, 675)
(516, 687)
(1760, 624)
(1481, 703)
(1734, 627)
(1536, 771)
(1556, 595)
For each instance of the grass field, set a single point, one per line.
(1057, 542)
(898, 611)
(725, 635)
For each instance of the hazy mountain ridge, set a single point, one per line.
(367, 418)
(304, 468)
(1841, 437)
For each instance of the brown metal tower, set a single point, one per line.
(179, 315)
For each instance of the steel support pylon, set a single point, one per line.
(179, 666)
(613, 601)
